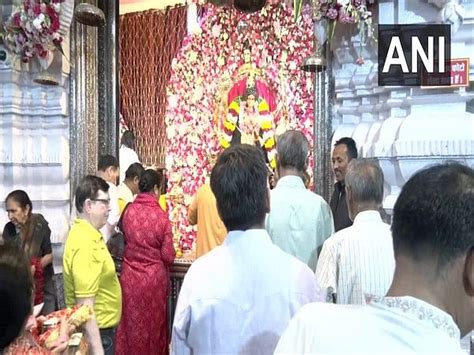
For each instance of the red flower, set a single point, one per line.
(53, 15)
(37, 10)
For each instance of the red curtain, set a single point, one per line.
(148, 43)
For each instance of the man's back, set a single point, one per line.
(391, 325)
(358, 260)
(239, 297)
(203, 211)
(299, 220)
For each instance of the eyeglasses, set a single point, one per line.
(103, 200)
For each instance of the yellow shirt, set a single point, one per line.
(211, 232)
(89, 271)
(125, 196)
(162, 202)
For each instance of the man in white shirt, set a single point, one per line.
(430, 303)
(127, 154)
(108, 169)
(300, 220)
(239, 297)
(358, 260)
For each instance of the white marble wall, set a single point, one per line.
(34, 140)
(404, 128)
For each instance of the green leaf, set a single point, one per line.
(297, 4)
(60, 49)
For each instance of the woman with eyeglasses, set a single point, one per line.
(30, 233)
(149, 251)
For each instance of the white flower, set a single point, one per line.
(37, 22)
(220, 61)
(56, 7)
(191, 160)
(170, 132)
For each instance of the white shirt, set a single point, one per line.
(114, 215)
(239, 297)
(127, 157)
(358, 260)
(299, 220)
(390, 325)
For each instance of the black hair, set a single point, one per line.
(134, 170)
(239, 183)
(20, 197)
(16, 293)
(351, 146)
(292, 150)
(106, 161)
(128, 139)
(149, 180)
(433, 217)
(89, 187)
(250, 91)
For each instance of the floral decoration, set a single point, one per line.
(348, 11)
(32, 31)
(204, 72)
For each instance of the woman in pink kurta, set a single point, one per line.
(149, 251)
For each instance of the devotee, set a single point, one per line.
(29, 232)
(210, 228)
(239, 297)
(127, 154)
(430, 302)
(145, 277)
(88, 268)
(299, 220)
(108, 169)
(16, 293)
(129, 187)
(344, 151)
(358, 260)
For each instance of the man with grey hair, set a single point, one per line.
(299, 220)
(358, 260)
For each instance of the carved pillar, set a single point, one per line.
(108, 71)
(84, 102)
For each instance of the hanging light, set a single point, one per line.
(89, 15)
(249, 6)
(316, 62)
(46, 78)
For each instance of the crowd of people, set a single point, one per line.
(277, 270)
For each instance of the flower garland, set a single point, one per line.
(33, 29)
(204, 87)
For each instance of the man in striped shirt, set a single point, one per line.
(359, 260)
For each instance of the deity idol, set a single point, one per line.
(249, 117)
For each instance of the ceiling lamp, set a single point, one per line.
(89, 15)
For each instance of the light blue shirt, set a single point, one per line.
(299, 220)
(239, 297)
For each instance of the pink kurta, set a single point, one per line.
(145, 278)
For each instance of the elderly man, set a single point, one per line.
(430, 303)
(239, 297)
(358, 260)
(89, 271)
(344, 151)
(299, 220)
